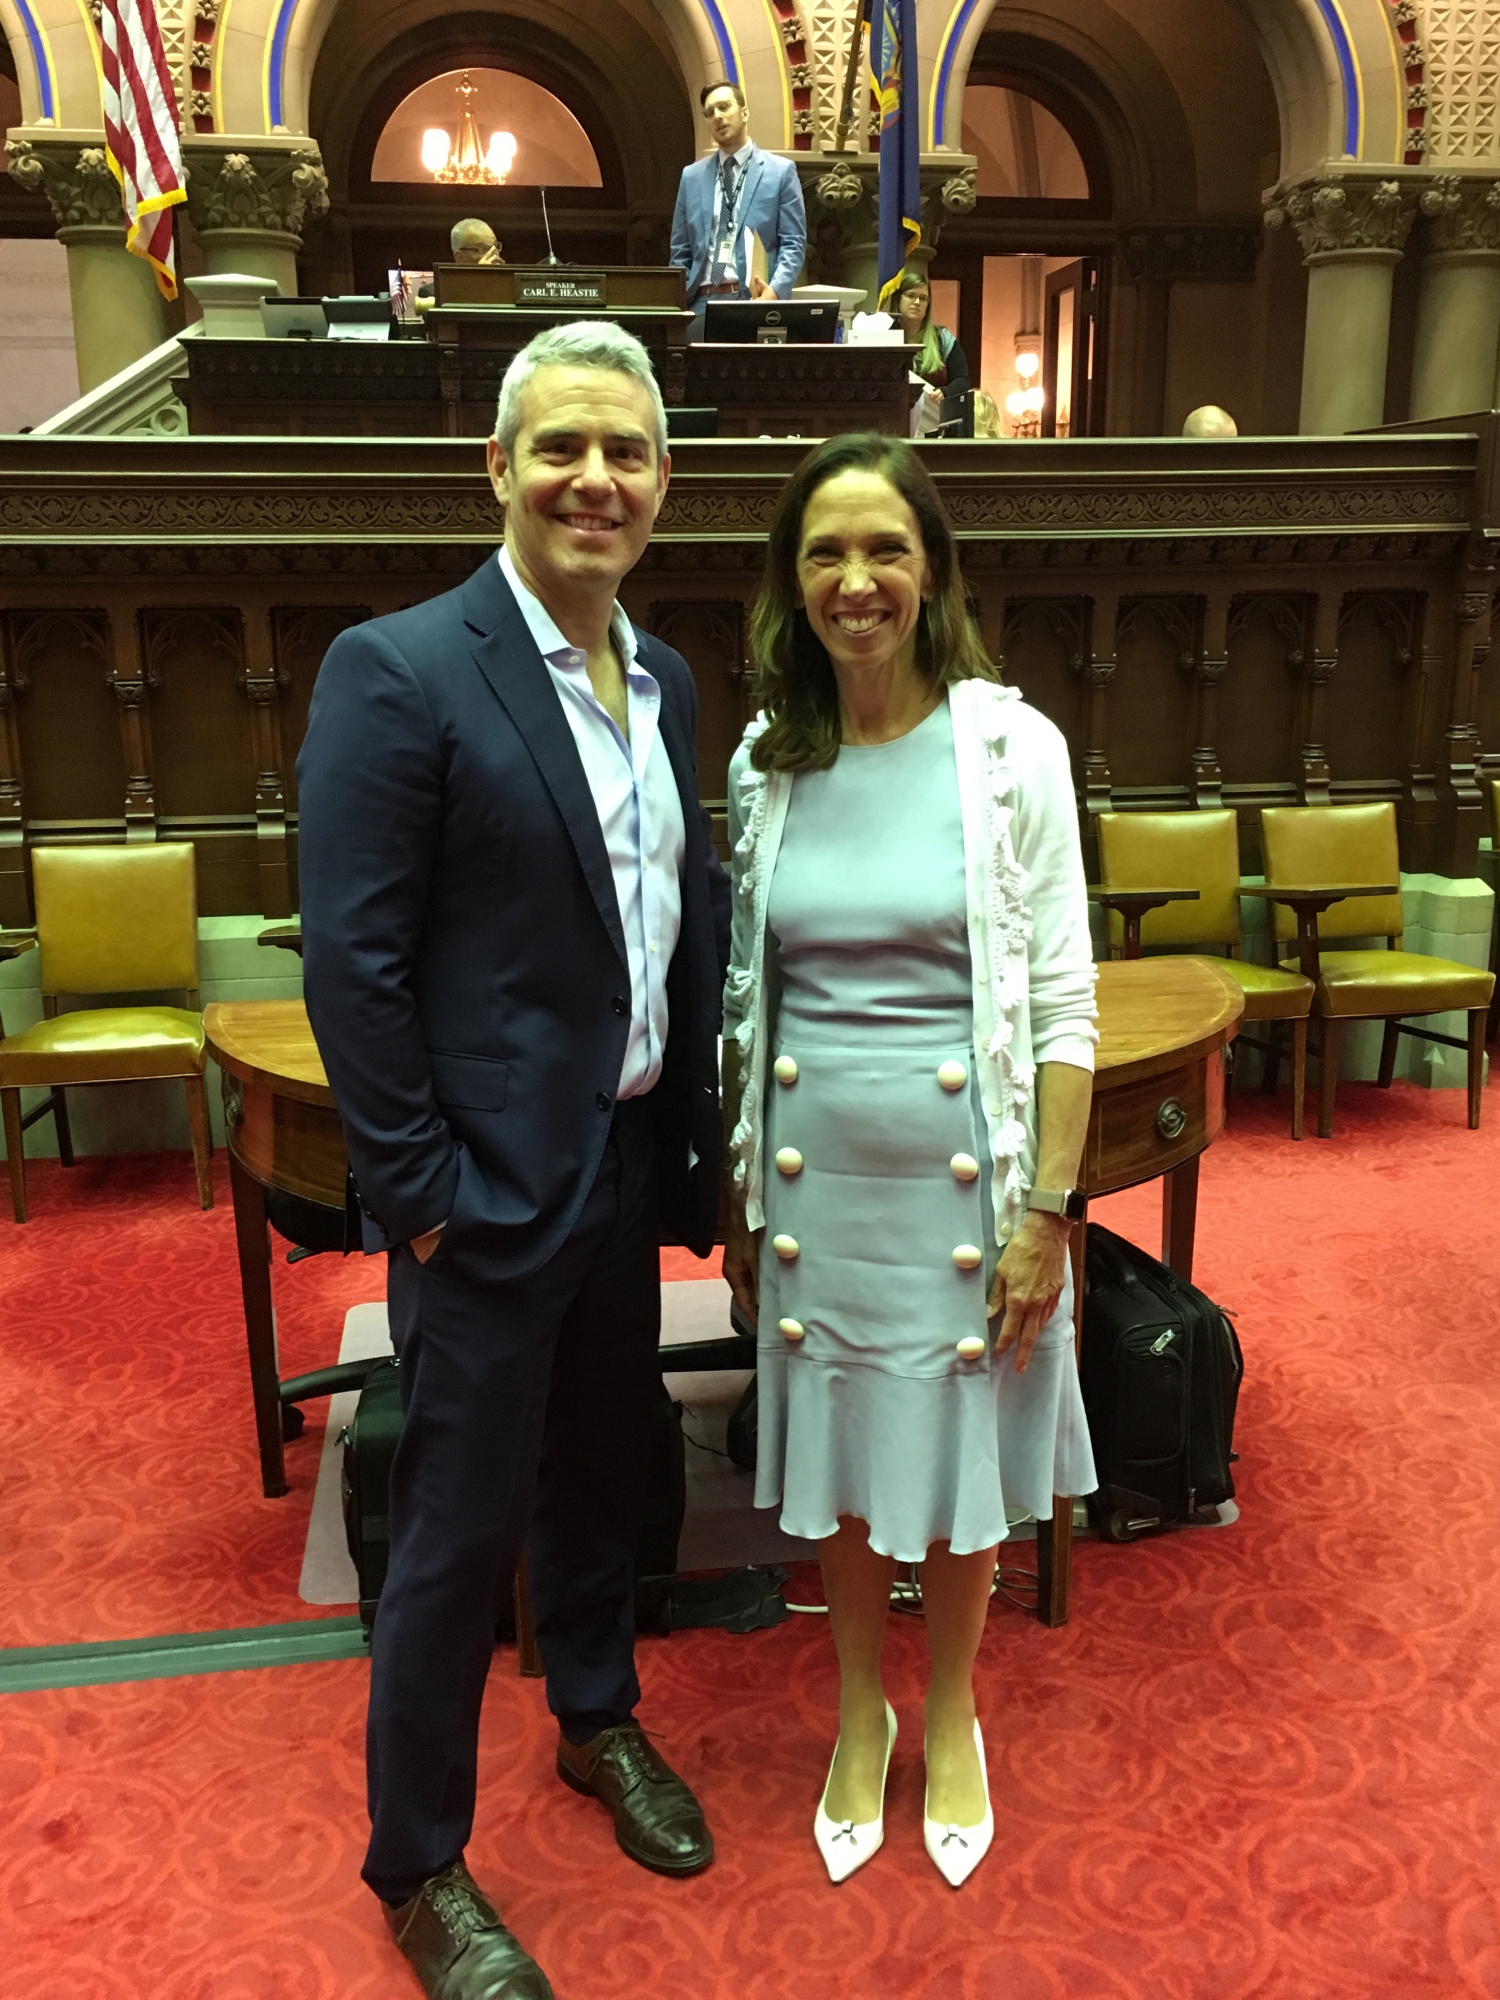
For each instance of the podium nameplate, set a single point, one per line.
(587, 290)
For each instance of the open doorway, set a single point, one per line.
(1023, 281)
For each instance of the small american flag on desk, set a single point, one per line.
(140, 131)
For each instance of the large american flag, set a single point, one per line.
(140, 131)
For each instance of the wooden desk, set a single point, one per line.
(283, 1134)
(446, 384)
(1158, 1105)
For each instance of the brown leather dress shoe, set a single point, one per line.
(452, 1933)
(658, 1822)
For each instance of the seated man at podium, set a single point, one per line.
(738, 188)
(474, 242)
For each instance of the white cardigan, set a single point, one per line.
(1033, 965)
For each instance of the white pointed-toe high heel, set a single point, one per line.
(957, 1851)
(844, 1845)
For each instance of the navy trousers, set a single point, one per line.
(527, 1409)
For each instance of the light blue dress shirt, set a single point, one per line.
(640, 816)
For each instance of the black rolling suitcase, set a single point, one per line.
(370, 1446)
(1160, 1368)
(369, 1443)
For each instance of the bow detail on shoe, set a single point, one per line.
(954, 1834)
(846, 1832)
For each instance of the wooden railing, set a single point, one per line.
(1248, 622)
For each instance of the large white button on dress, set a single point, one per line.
(785, 1068)
(786, 1247)
(971, 1347)
(964, 1167)
(967, 1256)
(952, 1075)
(788, 1160)
(792, 1328)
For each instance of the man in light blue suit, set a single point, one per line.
(738, 187)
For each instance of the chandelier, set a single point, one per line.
(466, 164)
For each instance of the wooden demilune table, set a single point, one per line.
(1158, 1105)
(284, 1136)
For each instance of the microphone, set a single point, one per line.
(551, 256)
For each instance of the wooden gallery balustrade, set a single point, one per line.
(1248, 622)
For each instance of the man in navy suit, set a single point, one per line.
(738, 187)
(514, 930)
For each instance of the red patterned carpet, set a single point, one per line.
(1259, 1764)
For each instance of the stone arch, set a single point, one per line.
(1336, 70)
(350, 110)
(622, 84)
(681, 29)
(1104, 82)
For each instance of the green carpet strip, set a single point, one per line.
(26, 1668)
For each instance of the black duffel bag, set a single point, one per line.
(1160, 1366)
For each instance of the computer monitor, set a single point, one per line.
(688, 420)
(297, 319)
(746, 321)
(359, 318)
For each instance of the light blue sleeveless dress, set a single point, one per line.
(872, 1412)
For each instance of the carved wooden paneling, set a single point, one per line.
(1043, 650)
(300, 635)
(1151, 700)
(203, 745)
(710, 635)
(1260, 697)
(66, 719)
(1368, 727)
(1174, 606)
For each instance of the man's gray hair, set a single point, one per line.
(580, 343)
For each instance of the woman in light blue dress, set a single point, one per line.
(908, 1055)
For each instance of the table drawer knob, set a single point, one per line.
(1171, 1120)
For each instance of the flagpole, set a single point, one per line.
(851, 75)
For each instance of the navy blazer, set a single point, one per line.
(771, 204)
(464, 962)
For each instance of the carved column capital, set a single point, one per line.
(240, 187)
(75, 179)
(1341, 214)
(1463, 213)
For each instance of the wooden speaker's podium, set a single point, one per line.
(484, 314)
(442, 379)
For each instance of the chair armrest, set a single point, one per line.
(1133, 904)
(287, 936)
(13, 943)
(1308, 902)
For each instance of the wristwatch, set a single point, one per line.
(1071, 1204)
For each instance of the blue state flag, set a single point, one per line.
(900, 187)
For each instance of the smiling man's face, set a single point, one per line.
(584, 484)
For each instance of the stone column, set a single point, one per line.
(119, 313)
(1458, 311)
(843, 212)
(1352, 230)
(248, 199)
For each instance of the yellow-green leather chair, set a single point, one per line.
(1347, 846)
(111, 920)
(1200, 850)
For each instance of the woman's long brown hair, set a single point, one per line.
(794, 680)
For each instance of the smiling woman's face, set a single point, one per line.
(861, 570)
